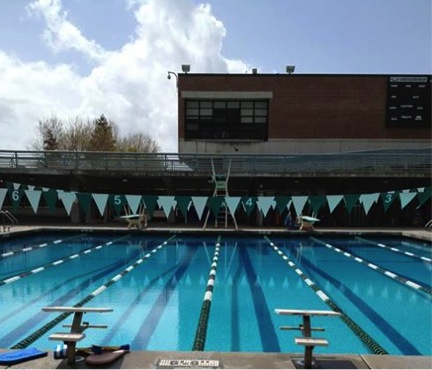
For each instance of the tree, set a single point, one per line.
(51, 133)
(137, 142)
(102, 136)
(97, 135)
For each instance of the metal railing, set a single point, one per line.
(7, 220)
(408, 162)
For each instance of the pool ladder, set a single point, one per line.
(8, 220)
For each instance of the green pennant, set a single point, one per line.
(215, 203)
(350, 201)
(423, 196)
(183, 203)
(117, 202)
(249, 204)
(281, 203)
(84, 201)
(150, 202)
(387, 199)
(316, 202)
(50, 198)
(15, 196)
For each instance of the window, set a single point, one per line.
(226, 119)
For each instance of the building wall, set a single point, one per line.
(308, 113)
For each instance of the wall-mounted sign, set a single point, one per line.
(409, 101)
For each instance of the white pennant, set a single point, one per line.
(67, 198)
(101, 201)
(167, 203)
(16, 186)
(199, 204)
(333, 201)
(405, 198)
(264, 204)
(134, 202)
(3, 193)
(34, 198)
(299, 202)
(232, 203)
(368, 200)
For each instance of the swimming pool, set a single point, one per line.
(156, 285)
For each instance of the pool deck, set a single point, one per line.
(235, 360)
(239, 360)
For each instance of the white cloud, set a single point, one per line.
(128, 85)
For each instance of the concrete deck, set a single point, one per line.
(235, 360)
(240, 360)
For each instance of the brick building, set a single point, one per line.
(302, 113)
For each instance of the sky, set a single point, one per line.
(83, 58)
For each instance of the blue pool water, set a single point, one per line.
(156, 286)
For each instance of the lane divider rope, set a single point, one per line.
(369, 342)
(201, 333)
(374, 267)
(14, 278)
(42, 245)
(48, 326)
(394, 249)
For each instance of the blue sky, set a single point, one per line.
(69, 58)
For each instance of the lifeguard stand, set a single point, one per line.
(221, 190)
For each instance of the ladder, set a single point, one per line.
(10, 218)
(221, 190)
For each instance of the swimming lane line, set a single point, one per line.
(201, 332)
(367, 340)
(394, 249)
(42, 245)
(374, 267)
(48, 326)
(55, 263)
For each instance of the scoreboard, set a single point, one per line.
(409, 101)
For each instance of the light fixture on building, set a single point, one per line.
(171, 73)
(290, 69)
(185, 68)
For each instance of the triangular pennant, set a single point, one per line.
(423, 196)
(3, 193)
(167, 203)
(117, 202)
(368, 200)
(50, 197)
(150, 202)
(16, 186)
(84, 201)
(248, 204)
(350, 201)
(68, 198)
(333, 201)
(34, 198)
(387, 199)
(101, 202)
(214, 203)
(299, 202)
(316, 202)
(232, 204)
(406, 198)
(45, 189)
(183, 203)
(15, 196)
(199, 204)
(282, 203)
(264, 204)
(30, 187)
(133, 202)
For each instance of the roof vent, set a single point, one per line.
(254, 71)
